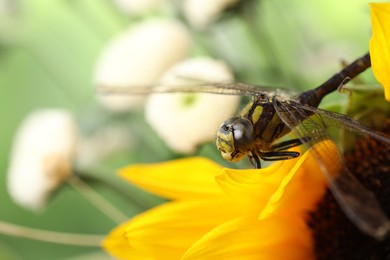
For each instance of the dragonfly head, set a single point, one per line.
(235, 138)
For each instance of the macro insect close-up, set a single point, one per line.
(194, 129)
(271, 114)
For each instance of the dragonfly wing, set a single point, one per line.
(196, 86)
(346, 121)
(358, 203)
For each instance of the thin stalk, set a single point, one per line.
(97, 200)
(50, 236)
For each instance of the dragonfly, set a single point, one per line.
(271, 115)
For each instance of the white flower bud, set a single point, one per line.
(201, 13)
(185, 120)
(139, 57)
(139, 7)
(41, 156)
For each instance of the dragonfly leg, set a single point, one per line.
(288, 144)
(279, 155)
(254, 160)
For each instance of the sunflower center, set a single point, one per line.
(335, 237)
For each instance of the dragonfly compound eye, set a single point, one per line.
(235, 138)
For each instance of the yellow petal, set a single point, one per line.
(180, 179)
(254, 187)
(380, 44)
(305, 184)
(247, 238)
(117, 245)
(167, 231)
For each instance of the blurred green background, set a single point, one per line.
(48, 51)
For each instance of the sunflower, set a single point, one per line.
(217, 212)
(380, 44)
(272, 213)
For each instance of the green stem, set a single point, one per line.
(98, 201)
(50, 236)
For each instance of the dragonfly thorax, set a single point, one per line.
(235, 138)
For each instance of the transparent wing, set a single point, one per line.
(358, 203)
(348, 123)
(196, 86)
